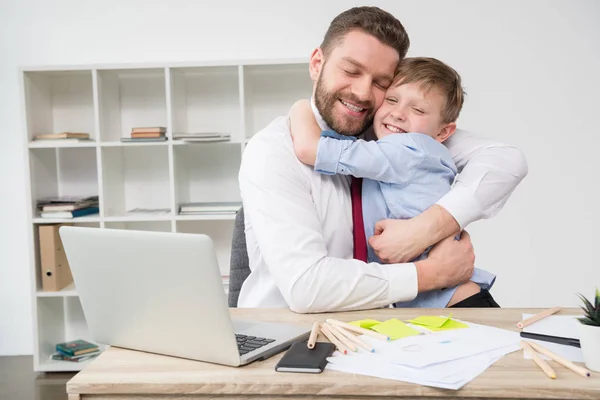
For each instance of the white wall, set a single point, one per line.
(532, 75)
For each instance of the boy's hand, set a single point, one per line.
(305, 132)
(398, 241)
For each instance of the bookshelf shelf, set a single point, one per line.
(77, 220)
(69, 291)
(58, 144)
(133, 144)
(107, 101)
(206, 217)
(62, 366)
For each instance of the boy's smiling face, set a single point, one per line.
(409, 108)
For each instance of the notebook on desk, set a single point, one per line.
(162, 293)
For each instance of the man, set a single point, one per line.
(299, 222)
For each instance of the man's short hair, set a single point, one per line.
(371, 20)
(432, 73)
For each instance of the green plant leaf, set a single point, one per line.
(591, 311)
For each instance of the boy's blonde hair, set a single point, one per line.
(433, 73)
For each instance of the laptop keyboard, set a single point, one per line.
(246, 344)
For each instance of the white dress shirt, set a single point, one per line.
(299, 223)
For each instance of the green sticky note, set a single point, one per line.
(365, 323)
(438, 323)
(395, 329)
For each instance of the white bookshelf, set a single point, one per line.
(235, 97)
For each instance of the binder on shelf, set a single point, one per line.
(55, 270)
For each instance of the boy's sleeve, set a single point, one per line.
(393, 159)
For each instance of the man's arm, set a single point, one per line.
(489, 173)
(278, 201)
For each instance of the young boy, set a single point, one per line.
(408, 168)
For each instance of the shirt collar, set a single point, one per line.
(322, 124)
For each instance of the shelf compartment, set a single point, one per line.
(206, 99)
(62, 172)
(130, 98)
(134, 177)
(220, 232)
(69, 290)
(59, 101)
(61, 319)
(206, 172)
(270, 91)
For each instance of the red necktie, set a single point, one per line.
(360, 241)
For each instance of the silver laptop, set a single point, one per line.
(162, 293)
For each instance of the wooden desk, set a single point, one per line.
(120, 374)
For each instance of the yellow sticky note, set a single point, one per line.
(395, 329)
(365, 323)
(438, 323)
(430, 321)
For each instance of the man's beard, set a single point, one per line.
(326, 102)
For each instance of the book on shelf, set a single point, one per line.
(149, 129)
(146, 135)
(210, 207)
(66, 199)
(70, 214)
(68, 206)
(63, 357)
(62, 135)
(154, 211)
(76, 348)
(202, 136)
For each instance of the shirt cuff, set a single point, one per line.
(462, 205)
(335, 135)
(404, 285)
(329, 152)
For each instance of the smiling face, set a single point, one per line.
(410, 108)
(351, 81)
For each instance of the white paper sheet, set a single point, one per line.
(557, 325)
(448, 359)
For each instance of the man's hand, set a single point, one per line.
(450, 263)
(398, 241)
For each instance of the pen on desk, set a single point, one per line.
(562, 361)
(345, 341)
(537, 317)
(333, 339)
(355, 339)
(358, 329)
(554, 339)
(313, 335)
(541, 363)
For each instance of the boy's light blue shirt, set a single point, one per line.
(404, 174)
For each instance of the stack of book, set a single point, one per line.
(147, 134)
(224, 207)
(201, 137)
(67, 206)
(63, 137)
(76, 351)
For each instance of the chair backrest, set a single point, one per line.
(239, 266)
